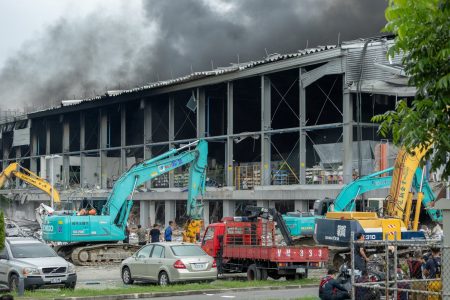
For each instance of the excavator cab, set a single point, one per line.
(322, 206)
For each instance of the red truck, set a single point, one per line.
(240, 245)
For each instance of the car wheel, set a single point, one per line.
(13, 283)
(253, 273)
(70, 286)
(163, 279)
(126, 276)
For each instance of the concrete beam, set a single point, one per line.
(266, 117)
(230, 142)
(347, 136)
(200, 112)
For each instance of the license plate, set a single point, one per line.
(198, 266)
(300, 270)
(55, 280)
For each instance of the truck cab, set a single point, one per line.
(210, 241)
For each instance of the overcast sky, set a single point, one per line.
(53, 50)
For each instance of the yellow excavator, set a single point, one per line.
(395, 222)
(16, 170)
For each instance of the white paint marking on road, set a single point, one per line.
(209, 294)
(228, 296)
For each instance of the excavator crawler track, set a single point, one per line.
(102, 254)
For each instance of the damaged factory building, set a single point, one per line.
(283, 131)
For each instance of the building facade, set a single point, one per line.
(282, 132)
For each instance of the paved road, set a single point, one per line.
(252, 295)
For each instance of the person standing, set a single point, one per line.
(432, 270)
(155, 234)
(141, 235)
(168, 232)
(361, 258)
(126, 240)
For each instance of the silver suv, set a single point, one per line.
(35, 262)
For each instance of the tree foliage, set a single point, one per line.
(422, 29)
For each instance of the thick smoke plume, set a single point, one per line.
(84, 57)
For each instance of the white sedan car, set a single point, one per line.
(166, 263)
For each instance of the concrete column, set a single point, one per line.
(169, 211)
(34, 151)
(82, 148)
(301, 205)
(262, 203)
(200, 112)
(229, 208)
(230, 142)
(266, 116)
(347, 136)
(66, 148)
(152, 212)
(171, 134)
(205, 213)
(103, 145)
(123, 138)
(302, 115)
(144, 213)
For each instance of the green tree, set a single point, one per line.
(422, 29)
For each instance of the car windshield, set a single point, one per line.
(187, 250)
(33, 250)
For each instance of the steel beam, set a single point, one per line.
(33, 150)
(171, 134)
(65, 150)
(82, 148)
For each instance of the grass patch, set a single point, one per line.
(152, 288)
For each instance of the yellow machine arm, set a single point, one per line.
(14, 169)
(400, 197)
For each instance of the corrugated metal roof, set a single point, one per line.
(202, 74)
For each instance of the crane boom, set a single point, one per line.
(110, 225)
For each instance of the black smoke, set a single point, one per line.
(79, 58)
